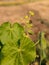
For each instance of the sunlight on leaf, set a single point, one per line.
(22, 55)
(18, 49)
(10, 32)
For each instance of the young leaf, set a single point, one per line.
(19, 54)
(10, 33)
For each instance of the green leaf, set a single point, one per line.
(21, 53)
(42, 45)
(10, 32)
(1, 55)
(30, 32)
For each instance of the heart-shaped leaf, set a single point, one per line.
(21, 53)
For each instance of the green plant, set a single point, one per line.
(14, 46)
(42, 48)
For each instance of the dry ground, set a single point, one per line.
(15, 13)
